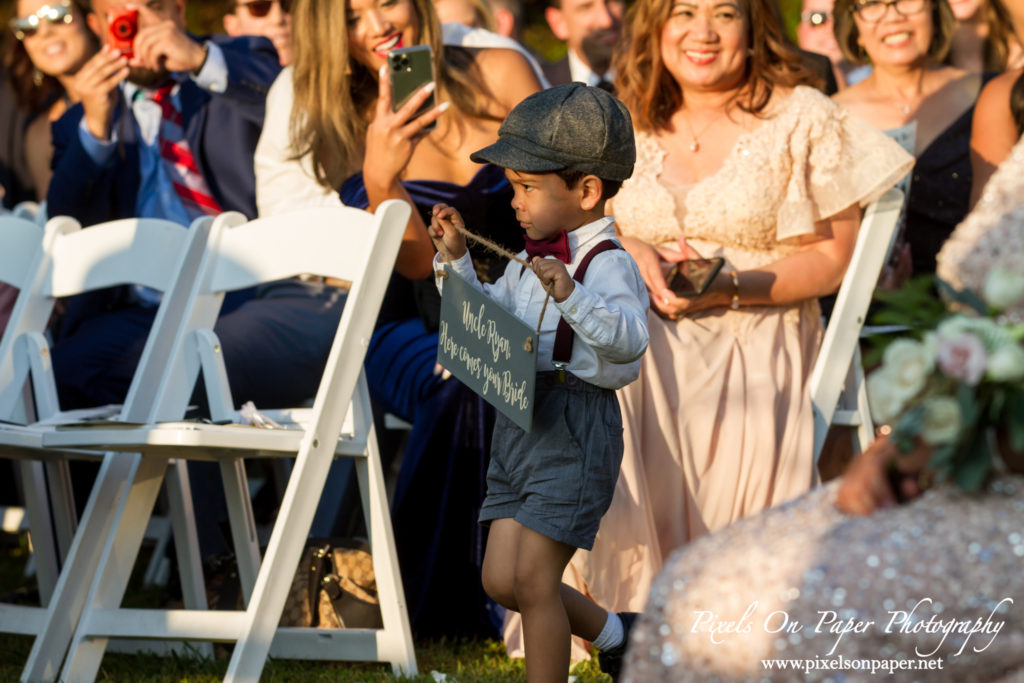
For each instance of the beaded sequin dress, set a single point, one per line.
(936, 584)
(719, 424)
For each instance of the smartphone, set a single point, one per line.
(692, 277)
(123, 27)
(409, 69)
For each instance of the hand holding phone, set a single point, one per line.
(409, 69)
(692, 277)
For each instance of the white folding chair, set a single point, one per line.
(67, 261)
(342, 243)
(838, 393)
(24, 265)
(31, 211)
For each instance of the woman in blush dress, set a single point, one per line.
(846, 556)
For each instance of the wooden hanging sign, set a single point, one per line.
(488, 349)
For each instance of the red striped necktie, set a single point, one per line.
(181, 165)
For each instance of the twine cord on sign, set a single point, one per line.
(500, 251)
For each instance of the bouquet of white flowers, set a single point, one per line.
(960, 384)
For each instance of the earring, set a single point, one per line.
(37, 77)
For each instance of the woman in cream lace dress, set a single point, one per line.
(896, 581)
(736, 155)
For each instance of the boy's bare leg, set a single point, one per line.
(520, 557)
(548, 607)
(499, 569)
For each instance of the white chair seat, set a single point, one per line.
(25, 442)
(202, 441)
(22, 442)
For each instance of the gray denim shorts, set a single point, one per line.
(559, 478)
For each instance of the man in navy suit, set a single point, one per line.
(111, 161)
(590, 29)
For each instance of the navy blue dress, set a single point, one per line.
(441, 483)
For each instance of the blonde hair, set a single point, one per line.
(334, 94)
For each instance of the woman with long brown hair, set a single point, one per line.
(331, 137)
(736, 158)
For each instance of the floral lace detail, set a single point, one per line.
(992, 235)
(809, 161)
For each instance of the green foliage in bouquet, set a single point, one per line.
(955, 380)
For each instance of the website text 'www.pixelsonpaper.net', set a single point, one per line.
(841, 663)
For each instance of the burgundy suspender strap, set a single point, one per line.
(564, 335)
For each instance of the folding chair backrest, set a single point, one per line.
(337, 242)
(126, 252)
(842, 336)
(25, 263)
(148, 252)
(323, 241)
(30, 211)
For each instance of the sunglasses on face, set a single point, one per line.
(26, 27)
(816, 18)
(261, 8)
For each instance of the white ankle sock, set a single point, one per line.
(611, 635)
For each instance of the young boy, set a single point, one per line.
(566, 150)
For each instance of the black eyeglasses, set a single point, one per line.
(261, 8)
(26, 27)
(872, 11)
(816, 18)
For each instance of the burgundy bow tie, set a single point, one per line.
(557, 246)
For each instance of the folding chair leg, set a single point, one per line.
(866, 430)
(119, 553)
(243, 523)
(40, 524)
(186, 540)
(65, 609)
(282, 557)
(62, 503)
(398, 647)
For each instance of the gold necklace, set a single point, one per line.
(695, 137)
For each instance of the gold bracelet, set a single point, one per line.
(735, 304)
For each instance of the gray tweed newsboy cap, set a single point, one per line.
(569, 126)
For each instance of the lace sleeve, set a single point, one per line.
(838, 160)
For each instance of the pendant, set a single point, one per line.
(695, 146)
(905, 108)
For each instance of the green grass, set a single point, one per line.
(462, 661)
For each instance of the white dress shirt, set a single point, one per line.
(608, 311)
(580, 72)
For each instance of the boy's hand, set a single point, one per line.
(554, 277)
(444, 223)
